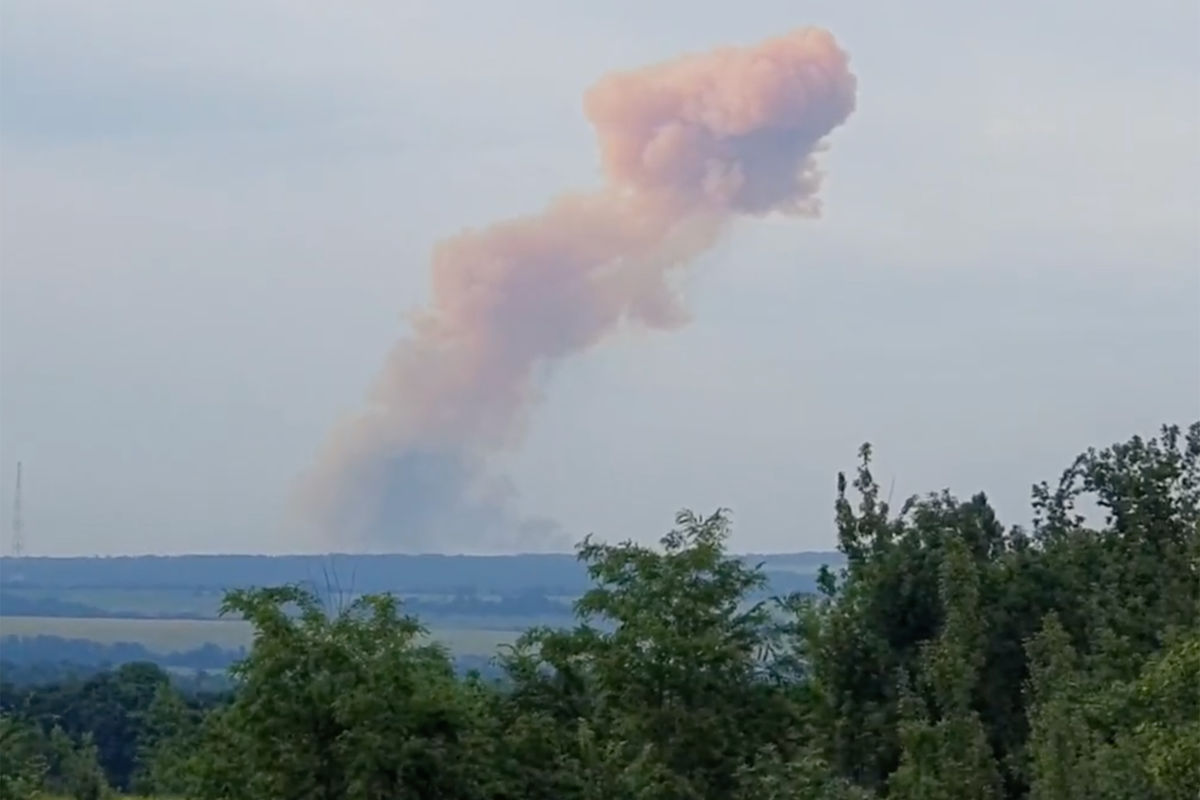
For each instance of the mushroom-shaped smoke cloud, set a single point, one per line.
(686, 146)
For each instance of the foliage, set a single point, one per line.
(81, 652)
(71, 768)
(83, 778)
(170, 733)
(22, 764)
(348, 705)
(665, 668)
(109, 715)
(1139, 738)
(951, 657)
(947, 756)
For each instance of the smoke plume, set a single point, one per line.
(686, 146)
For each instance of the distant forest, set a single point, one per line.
(526, 604)
(39, 660)
(29, 651)
(513, 575)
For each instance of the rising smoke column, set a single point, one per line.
(686, 146)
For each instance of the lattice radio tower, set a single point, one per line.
(18, 541)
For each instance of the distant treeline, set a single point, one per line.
(36, 660)
(17, 678)
(90, 730)
(19, 605)
(86, 652)
(546, 574)
(524, 605)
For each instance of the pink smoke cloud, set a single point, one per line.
(686, 146)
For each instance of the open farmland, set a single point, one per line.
(167, 635)
(161, 635)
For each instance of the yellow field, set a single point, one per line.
(167, 635)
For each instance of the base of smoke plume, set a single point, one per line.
(435, 501)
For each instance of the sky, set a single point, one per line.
(216, 217)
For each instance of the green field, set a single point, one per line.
(167, 635)
(150, 602)
(160, 635)
(436, 610)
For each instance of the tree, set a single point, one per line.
(343, 705)
(84, 778)
(1120, 590)
(948, 757)
(665, 663)
(804, 776)
(1133, 583)
(877, 618)
(168, 739)
(109, 707)
(1061, 742)
(22, 764)
(1095, 739)
(74, 768)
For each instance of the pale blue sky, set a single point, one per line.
(215, 213)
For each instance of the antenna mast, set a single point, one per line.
(18, 542)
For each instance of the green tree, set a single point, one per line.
(110, 707)
(1121, 591)
(1061, 741)
(85, 778)
(669, 667)
(804, 776)
(877, 618)
(1092, 738)
(22, 763)
(168, 740)
(336, 706)
(74, 767)
(1132, 584)
(947, 757)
